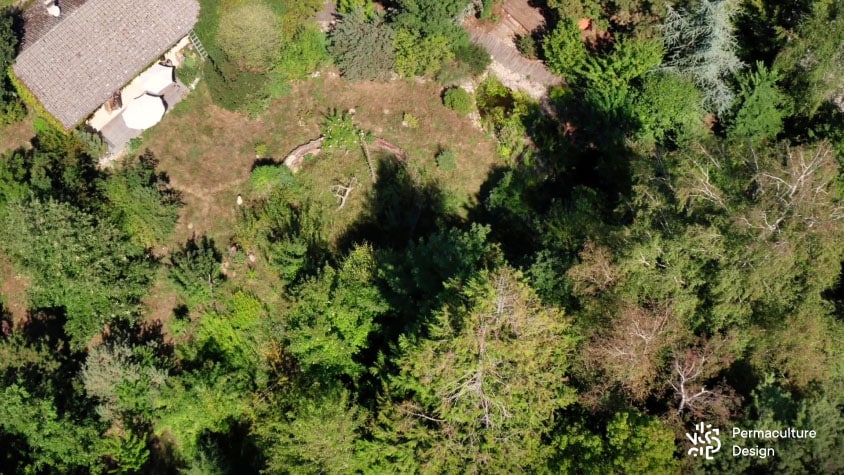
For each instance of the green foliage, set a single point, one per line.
(11, 108)
(339, 131)
(197, 405)
(470, 60)
(306, 52)
(457, 99)
(363, 49)
(810, 60)
(565, 53)
(333, 315)
(446, 160)
(482, 390)
(248, 35)
(267, 178)
(409, 120)
(366, 7)
(140, 201)
(14, 170)
(669, 108)
(318, 437)
(632, 443)
(506, 113)
(53, 442)
(8, 39)
(701, 44)
(288, 234)
(577, 9)
(640, 444)
(31, 102)
(190, 69)
(608, 81)
(128, 453)
(91, 142)
(419, 275)
(61, 168)
(124, 382)
(89, 268)
(420, 56)
(231, 337)
(255, 48)
(235, 89)
(761, 105)
(431, 17)
(195, 269)
(527, 46)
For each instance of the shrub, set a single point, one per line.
(762, 105)
(564, 51)
(416, 55)
(32, 103)
(267, 178)
(367, 7)
(11, 109)
(248, 35)
(92, 142)
(668, 108)
(446, 160)
(190, 68)
(527, 46)
(304, 54)
(340, 131)
(470, 60)
(363, 49)
(457, 99)
(234, 89)
(410, 121)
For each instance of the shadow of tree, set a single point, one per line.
(400, 208)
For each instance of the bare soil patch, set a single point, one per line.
(16, 135)
(13, 288)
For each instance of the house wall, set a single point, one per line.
(103, 116)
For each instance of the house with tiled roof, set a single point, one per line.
(79, 54)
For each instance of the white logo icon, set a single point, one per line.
(705, 441)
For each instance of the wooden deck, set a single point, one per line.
(505, 53)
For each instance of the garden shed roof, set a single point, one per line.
(97, 48)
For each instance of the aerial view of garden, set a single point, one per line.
(421, 236)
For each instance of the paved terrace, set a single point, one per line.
(117, 134)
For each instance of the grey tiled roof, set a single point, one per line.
(96, 49)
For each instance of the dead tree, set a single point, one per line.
(368, 157)
(690, 369)
(342, 192)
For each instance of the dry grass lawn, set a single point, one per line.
(209, 152)
(13, 288)
(16, 135)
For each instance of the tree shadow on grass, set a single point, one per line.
(400, 208)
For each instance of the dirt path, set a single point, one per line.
(509, 66)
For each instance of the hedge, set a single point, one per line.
(32, 102)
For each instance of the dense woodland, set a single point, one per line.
(660, 244)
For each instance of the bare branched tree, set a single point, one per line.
(628, 353)
(691, 368)
(798, 190)
(595, 273)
